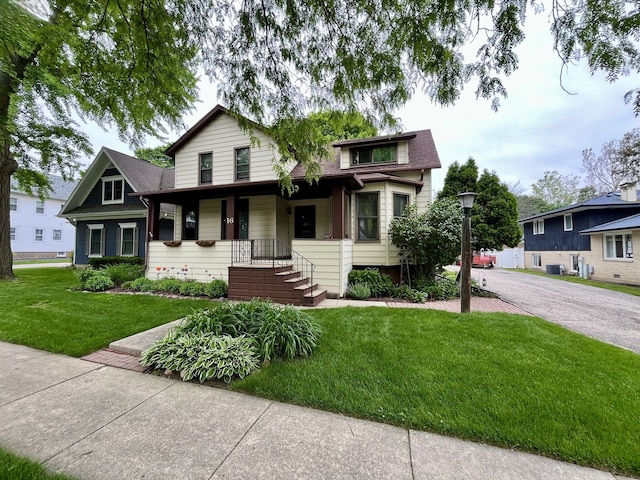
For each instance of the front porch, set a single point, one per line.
(298, 274)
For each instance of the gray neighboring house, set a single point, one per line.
(36, 230)
(109, 220)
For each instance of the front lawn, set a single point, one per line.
(14, 467)
(508, 380)
(39, 310)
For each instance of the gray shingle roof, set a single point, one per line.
(141, 174)
(61, 189)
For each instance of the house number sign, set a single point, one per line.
(229, 220)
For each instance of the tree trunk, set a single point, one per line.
(7, 166)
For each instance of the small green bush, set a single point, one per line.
(192, 288)
(379, 283)
(203, 356)
(217, 288)
(105, 261)
(169, 285)
(143, 284)
(123, 272)
(444, 289)
(84, 274)
(415, 296)
(359, 291)
(98, 283)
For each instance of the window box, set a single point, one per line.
(173, 243)
(205, 243)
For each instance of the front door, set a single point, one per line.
(305, 221)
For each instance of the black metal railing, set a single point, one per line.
(270, 251)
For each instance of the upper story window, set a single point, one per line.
(206, 167)
(242, 163)
(39, 206)
(13, 204)
(618, 246)
(377, 154)
(112, 190)
(400, 202)
(568, 222)
(538, 227)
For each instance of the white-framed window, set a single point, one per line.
(39, 206)
(95, 240)
(127, 239)
(61, 254)
(13, 204)
(112, 190)
(39, 236)
(206, 167)
(618, 246)
(242, 163)
(368, 216)
(574, 263)
(538, 227)
(568, 222)
(377, 154)
(13, 233)
(400, 202)
(57, 235)
(536, 260)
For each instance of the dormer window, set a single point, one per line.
(374, 154)
(112, 190)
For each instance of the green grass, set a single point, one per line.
(616, 287)
(39, 310)
(508, 380)
(44, 260)
(13, 467)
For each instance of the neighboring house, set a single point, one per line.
(590, 232)
(36, 231)
(110, 221)
(234, 222)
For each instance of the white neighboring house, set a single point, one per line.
(36, 230)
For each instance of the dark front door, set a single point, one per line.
(305, 221)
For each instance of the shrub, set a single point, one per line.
(143, 284)
(169, 285)
(98, 283)
(416, 296)
(84, 274)
(444, 288)
(203, 356)
(105, 261)
(359, 291)
(379, 283)
(192, 288)
(123, 272)
(217, 289)
(278, 331)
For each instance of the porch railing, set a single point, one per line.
(272, 252)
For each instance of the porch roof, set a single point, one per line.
(322, 188)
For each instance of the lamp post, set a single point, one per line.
(466, 201)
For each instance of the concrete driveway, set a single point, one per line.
(603, 314)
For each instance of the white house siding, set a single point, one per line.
(222, 136)
(189, 261)
(209, 219)
(262, 217)
(425, 196)
(332, 259)
(618, 271)
(25, 220)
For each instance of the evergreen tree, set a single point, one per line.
(459, 179)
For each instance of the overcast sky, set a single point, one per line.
(538, 127)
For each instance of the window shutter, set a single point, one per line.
(136, 233)
(119, 242)
(103, 235)
(87, 240)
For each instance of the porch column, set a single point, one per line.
(153, 221)
(231, 220)
(337, 211)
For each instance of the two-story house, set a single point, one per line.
(598, 232)
(110, 221)
(234, 222)
(36, 231)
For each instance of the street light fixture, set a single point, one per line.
(466, 202)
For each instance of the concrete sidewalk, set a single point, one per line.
(100, 422)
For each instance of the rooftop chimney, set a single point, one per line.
(628, 193)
